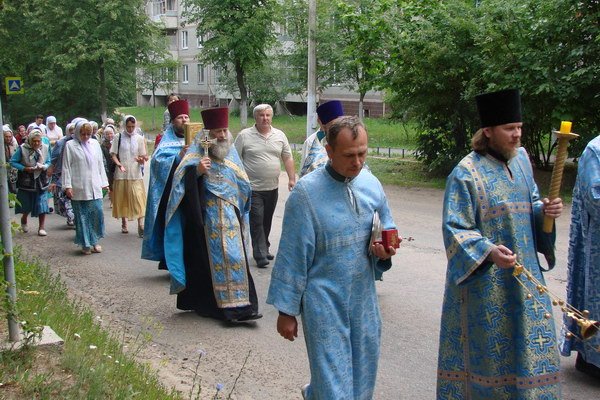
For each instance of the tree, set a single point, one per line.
(157, 71)
(362, 29)
(432, 69)
(238, 35)
(295, 52)
(77, 57)
(443, 53)
(551, 51)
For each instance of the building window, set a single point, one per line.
(200, 41)
(186, 75)
(200, 74)
(184, 39)
(168, 75)
(171, 5)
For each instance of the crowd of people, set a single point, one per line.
(210, 199)
(70, 173)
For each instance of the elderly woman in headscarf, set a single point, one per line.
(10, 148)
(83, 178)
(62, 204)
(53, 131)
(129, 195)
(32, 160)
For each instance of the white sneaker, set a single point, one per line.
(304, 390)
(42, 232)
(24, 228)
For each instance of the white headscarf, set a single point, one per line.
(80, 122)
(129, 141)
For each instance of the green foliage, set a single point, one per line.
(551, 51)
(76, 57)
(361, 29)
(443, 53)
(157, 69)
(238, 35)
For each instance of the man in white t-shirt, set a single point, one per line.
(262, 148)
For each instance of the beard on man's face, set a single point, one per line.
(178, 130)
(220, 149)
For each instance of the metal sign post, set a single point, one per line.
(5, 230)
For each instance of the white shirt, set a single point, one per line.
(86, 181)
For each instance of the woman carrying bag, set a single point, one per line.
(31, 161)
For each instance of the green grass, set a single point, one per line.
(91, 364)
(403, 172)
(382, 132)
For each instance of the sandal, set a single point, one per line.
(140, 231)
(124, 229)
(97, 249)
(86, 251)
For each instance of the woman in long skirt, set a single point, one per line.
(83, 178)
(32, 160)
(62, 204)
(129, 195)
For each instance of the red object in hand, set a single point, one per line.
(389, 238)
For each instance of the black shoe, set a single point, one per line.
(587, 368)
(247, 318)
(270, 256)
(162, 265)
(262, 263)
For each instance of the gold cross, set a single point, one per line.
(206, 142)
(540, 340)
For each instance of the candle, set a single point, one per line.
(565, 126)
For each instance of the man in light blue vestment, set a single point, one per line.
(165, 159)
(313, 148)
(583, 289)
(495, 342)
(324, 272)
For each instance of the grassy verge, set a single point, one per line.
(381, 131)
(91, 364)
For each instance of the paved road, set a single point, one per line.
(131, 296)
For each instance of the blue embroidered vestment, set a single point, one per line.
(583, 289)
(161, 164)
(227, 192)
(494, 342)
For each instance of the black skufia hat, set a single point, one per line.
(499, 108)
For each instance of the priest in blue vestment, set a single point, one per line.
(325, 268)
(314, 154)
(207, 228)
(583, 288)
(165, 159)
(495, 342)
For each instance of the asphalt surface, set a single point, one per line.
(130, 296)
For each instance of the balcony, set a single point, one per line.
(164, 11)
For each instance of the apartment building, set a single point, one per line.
(199, 83)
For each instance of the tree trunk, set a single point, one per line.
(361, 109)
(239, 75)
(103, 95)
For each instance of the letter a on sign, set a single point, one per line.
(14, 85)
